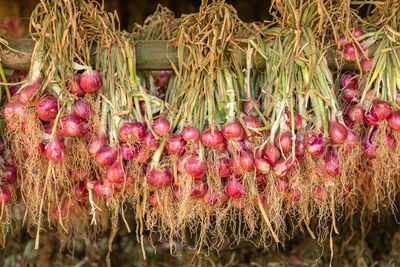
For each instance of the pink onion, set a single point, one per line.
(394, 120)
(214, 197)
(283, 141)
(14, 89)
(366, 64)
(115, 174)
(241, 163)
(159, 178)
(232, 131)
(234, 187)
(191, 134)
(90, 81)
(73, 86)
(294, 194)
(131, 131)
(332, 163)
(369, 147)
(161, 126)
(349, 94)
(261, 179)
(348, 79)
(352, 140)
(248, 107)
(82, 108)
(352, 52)
(129, 152)
(15, 113)
(29, 93)
(9, 175)
(199, 188)
(181, 163)
(252, 122)
(221, 147)
(224, 169)
(154, 199)
(47, 108)
(356, 113)
(175, 144)
(342, 41)
(390, 141)
(106, 156)
(337, 132)
(81, 190)
(55, 150)
(282, 167)
(142, 156)
(5, 194)
(245, 145)
(271, 153)
(297, 119)
(69, 125)
(299, 149)
(371, 119)
(315, 144)
(381, 109)
(282, 185)
(210, 140)
(96, 144)
(262, 165)
(320, 193)
(196, 167)
(9, 161)
(104, 189)
(149, 142)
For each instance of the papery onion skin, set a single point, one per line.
(337, 132)
(196, 167)
(47, 108)
(232, 131)
(161, 126)
(90, 81)
(211, 140)
(394, 120)
(55, 150)
(234, 188)
(159, 178)
(271, 153)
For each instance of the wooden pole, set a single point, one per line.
(150, 55)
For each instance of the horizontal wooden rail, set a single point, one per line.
(150, 55)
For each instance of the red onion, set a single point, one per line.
(153, 199)
(332, 163)
(271, 153)
(131, 131)
(381, 109)
(210, 140)
(149, 142)
(320, 193)
(191, 134)
(14, 89)
(73, 86)
(106, 156)
(352, 52)
(294, 194)
(356, 32)
(232, 131)
(196, 167)
(181, 163)
(299, 149)
(199, 188)
(104, 189)
(315, 144)
(9, 161)
(142, 156)
(90, 81)
(356, 113)
(29, 93)
(350, 93)
(352, 140)
(283, 141)
(221, 147)
(337, 132)
(161, 126)
(394, 120)
(47, 108)
(35, 151)
(252, 122)
(214, 197)
(282, 167)
(9, 175)
(129, 152)
(282, 185)
(262, 165)
(366, 64)
(55, 150)
(261, 179)
(241, 163)
(234, 187)
(115, 174)
(15, 112)
(159, 178)
(224, 169)
(390, 141)
(342, 41)
(175, 144)
(348, 79)
(69, 125)
(162, 79)
(81, 190)
(5, 194)
(82, 108)
(248, 107)
(369, 147)
(245, 145)
(371, 119)
(96, 144)
(297, 119)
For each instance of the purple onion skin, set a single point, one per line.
(394, 120)
(369, 147)
(315, 144)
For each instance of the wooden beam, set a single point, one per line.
(150, 55)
